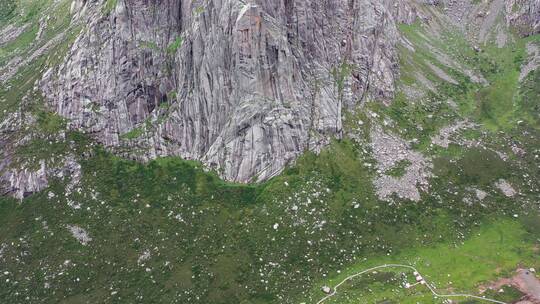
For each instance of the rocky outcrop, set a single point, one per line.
(244, 86)
(524, 15)
(403, 11)
(11, 32)
(532, 61)
(21, 182)
(22, 177)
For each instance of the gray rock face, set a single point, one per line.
(20, 180)
(524, 15)
(244, 86)
(532, 61)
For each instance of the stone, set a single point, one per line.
(326, 289)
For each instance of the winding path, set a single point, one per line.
(334, 292)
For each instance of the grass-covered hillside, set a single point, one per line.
(169, 232)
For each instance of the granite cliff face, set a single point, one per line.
(243, 86)
(524, 15)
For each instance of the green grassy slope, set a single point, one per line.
(210, 241)
(494, 250)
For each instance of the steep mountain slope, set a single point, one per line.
(374, 129)
(243, 87)
(145, 81)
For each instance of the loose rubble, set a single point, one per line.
(506, 188)
(80, 234)
(443, 139)
(388, 150)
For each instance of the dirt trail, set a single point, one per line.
(529, 284)
(524, 280)
(418, 274)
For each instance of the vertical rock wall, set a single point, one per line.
(524, 15)
(244, 86)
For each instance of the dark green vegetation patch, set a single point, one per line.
(7, 8)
